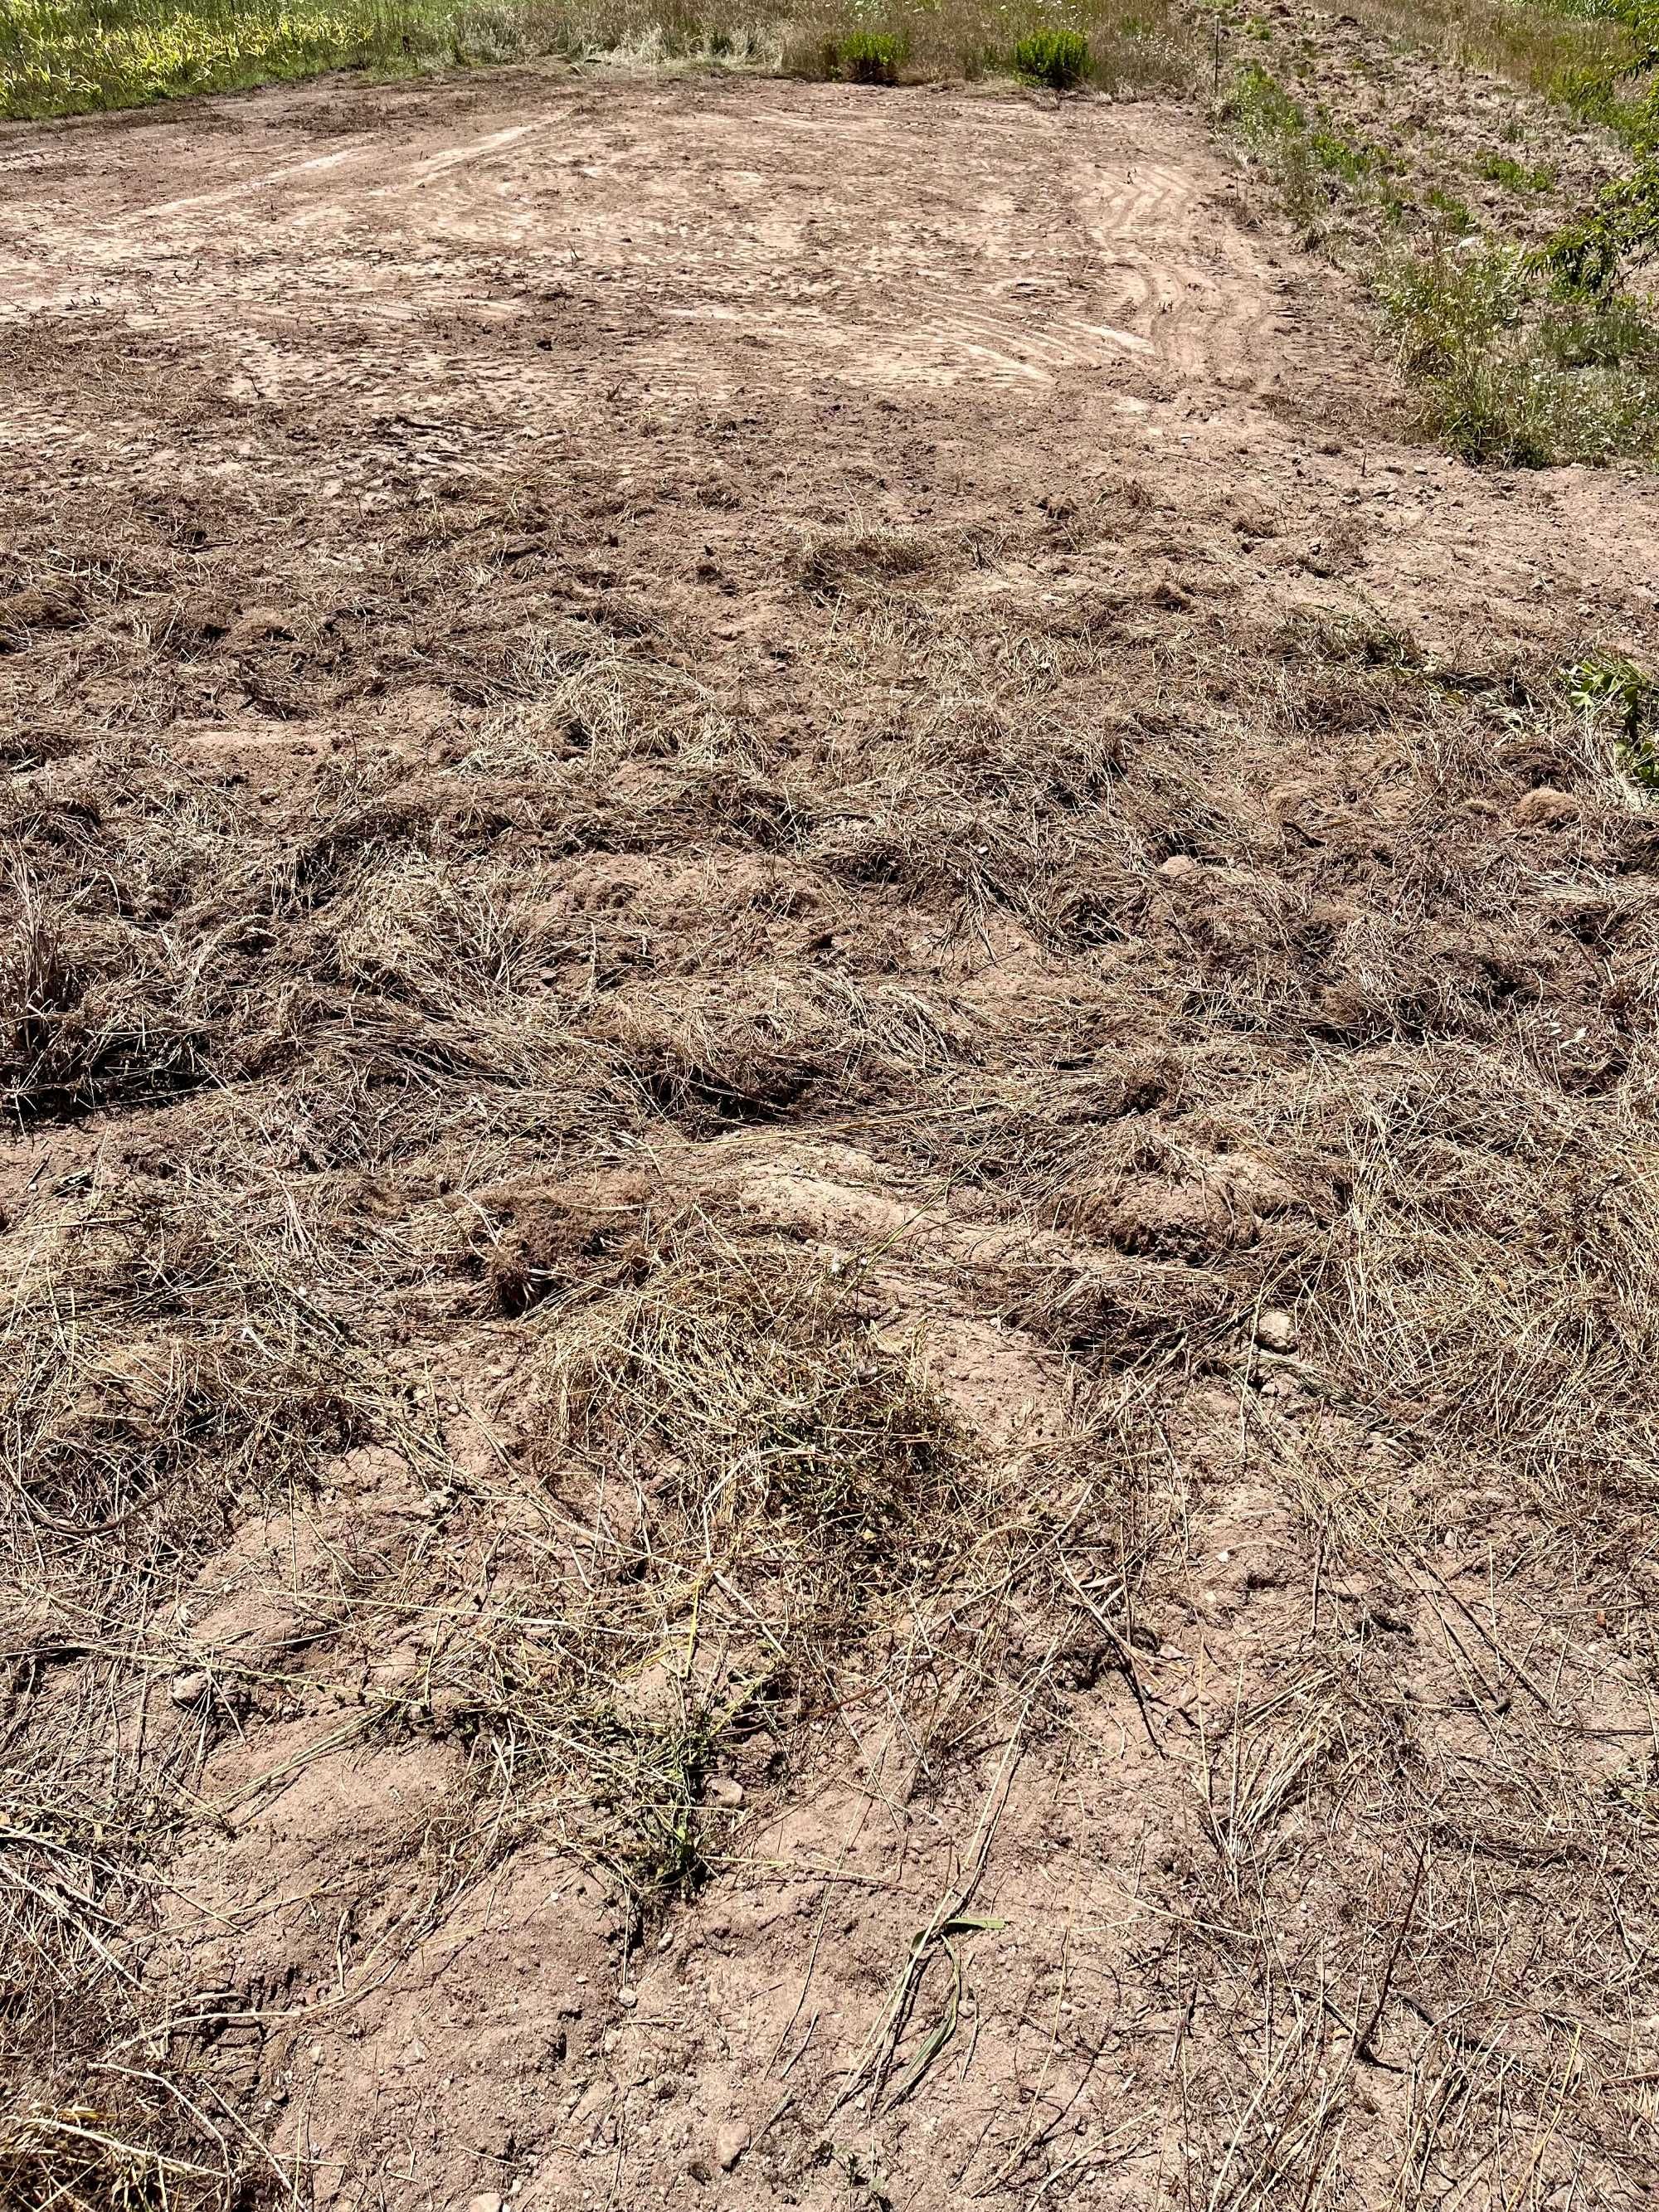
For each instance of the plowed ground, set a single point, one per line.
(736, 812)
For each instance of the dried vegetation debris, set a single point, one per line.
(467, 1057)
(845, 1382)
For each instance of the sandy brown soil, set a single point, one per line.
(603, 678)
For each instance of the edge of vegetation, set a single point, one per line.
(1516, 354)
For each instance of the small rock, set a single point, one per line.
(190, 1687)
(1275, 1330)
(730, 2143)
(628, 1998)
(1546, 809)
(487, 2200)
(1179, 864)
(723, 1790)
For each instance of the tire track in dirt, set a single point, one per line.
(718, 243)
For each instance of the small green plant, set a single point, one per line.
(1260, 107)
(872, 58)
(1604, 686)
(1341, 159)
(1515, 176)
(1452, 212)
(1059, 59)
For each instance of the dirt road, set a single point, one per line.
(886, 603)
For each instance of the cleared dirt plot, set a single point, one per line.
(831, 1188)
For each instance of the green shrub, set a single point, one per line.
(1588, 256)
(1510, 378)
(1443, 305)
(1059, 59)
(872, 58)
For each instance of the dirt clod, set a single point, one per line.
(1276, 1330)
(1545, 808)
(731, 2142)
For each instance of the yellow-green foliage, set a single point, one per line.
(60, 56)
(56, 56)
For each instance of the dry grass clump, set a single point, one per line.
(754, 1480)
(752, 1494)
(757, 1385)
(545, 1237)
(838, 563)
(162, 944)
(1487, 1291)
(715, 1053)
(78, 2157)
(104, 998)
(165, 1374)
(1394, 1939)
(164, 1366)
(94, 1013)
(1304, 2011)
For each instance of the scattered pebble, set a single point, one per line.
(723, 1790)
(1275, 1330)
(1179, 864)
(487, 2200)
(628, 1998)
(190, 1687)
(730, 2143)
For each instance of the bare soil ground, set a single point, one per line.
(829, 1231)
